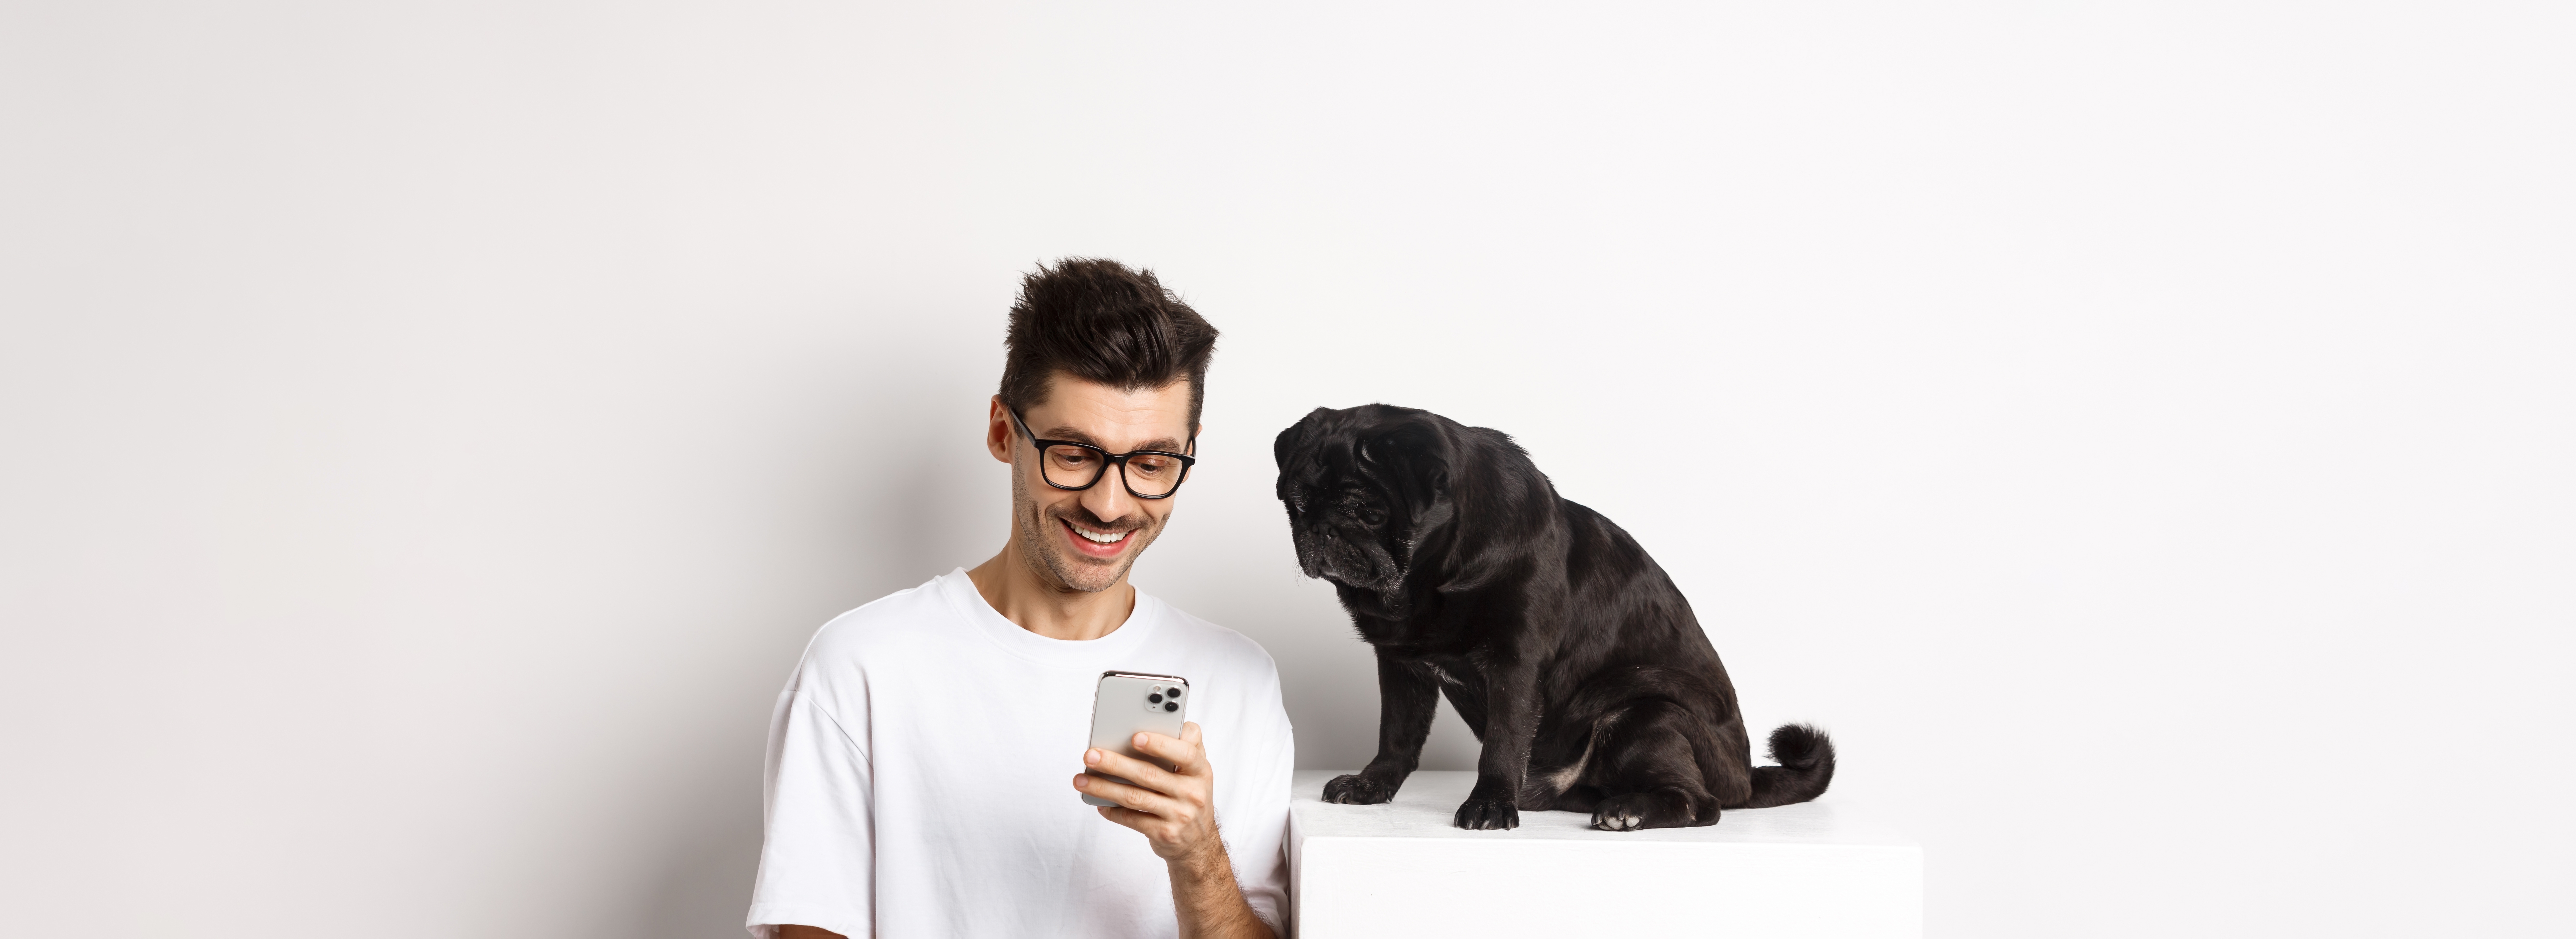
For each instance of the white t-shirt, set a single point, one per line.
(921, 763)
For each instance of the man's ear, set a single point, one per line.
(998, 432)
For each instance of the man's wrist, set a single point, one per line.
(1209, 901)
(1207, 863)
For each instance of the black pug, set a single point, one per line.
(1568, 652)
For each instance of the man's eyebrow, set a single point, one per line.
(1061, 432)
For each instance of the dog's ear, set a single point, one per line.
(1293, 440)
(1412, 455)
(1495, 502)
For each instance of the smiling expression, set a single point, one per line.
(1087, 539)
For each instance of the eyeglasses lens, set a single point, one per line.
(1073, 467)
(1077, 467)
(1152, 475)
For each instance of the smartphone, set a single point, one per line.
(1131, 703)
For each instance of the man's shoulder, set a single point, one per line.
(895, 621)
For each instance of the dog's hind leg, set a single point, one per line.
(1647, 767)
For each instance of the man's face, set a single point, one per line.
(1087, 539)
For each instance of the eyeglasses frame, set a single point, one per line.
(1107, 458)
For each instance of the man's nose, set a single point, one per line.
(1109, 501)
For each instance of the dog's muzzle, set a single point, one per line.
(1327, 554)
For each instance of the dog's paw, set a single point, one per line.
(1356, 789)
(1640, 810)
(1488, 815)
(1619, 813)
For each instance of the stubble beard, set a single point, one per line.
(1052, 561)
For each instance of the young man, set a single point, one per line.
(919, 758)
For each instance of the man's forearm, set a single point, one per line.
(1209, 904)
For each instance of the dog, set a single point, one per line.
(1564, 647)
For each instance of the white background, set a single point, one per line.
(2142, 435)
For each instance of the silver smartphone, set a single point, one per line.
(1131, 703)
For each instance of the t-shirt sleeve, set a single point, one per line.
(1258, 837)
(818, 844)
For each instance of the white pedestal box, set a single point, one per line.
(1810, 871)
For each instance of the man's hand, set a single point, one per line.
(1172, 801)
(1175, 810)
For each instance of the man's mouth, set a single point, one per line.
(1100, 537)
(1095, 542)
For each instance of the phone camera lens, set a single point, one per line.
(1174, 692)
(1172, 706)
(1153, 699)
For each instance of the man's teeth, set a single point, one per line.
(1111, 538)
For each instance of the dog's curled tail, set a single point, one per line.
(1806, 758)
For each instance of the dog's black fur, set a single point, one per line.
(1568, 652)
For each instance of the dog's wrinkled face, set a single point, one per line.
(1360, 485)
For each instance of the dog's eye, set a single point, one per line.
(1372, 515)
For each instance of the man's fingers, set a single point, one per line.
(1128, 817)
(1198, 747)
(1134, 820)
(1149, 775)
(1182, 751)
(1134, 797)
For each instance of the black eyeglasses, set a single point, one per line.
(1147, 474)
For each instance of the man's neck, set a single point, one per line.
(1049, 609)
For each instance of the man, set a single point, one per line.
(917, 780)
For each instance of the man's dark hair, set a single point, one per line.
(1105, 322)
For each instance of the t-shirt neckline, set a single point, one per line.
(1124, 641)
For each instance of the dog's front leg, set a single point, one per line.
(1407, 697)
(1511, 721)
